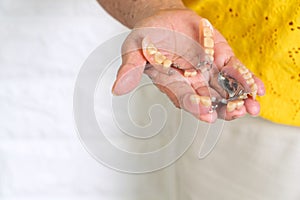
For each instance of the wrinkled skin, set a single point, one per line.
(173, 83)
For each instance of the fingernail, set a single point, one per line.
(113, 90)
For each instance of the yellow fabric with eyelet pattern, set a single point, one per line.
(265, 36)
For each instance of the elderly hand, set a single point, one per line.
(165, 47)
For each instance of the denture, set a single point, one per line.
(206, 37)
(204, 100)
(242, 76)
(234, 78)
(190, 73)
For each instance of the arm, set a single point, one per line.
(129, 12)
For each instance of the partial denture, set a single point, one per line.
(204, 100)
(159, 58)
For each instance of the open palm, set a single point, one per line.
(175, 35)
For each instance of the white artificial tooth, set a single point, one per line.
(209, 58)
(205, 101)
(247, 75)
(151, 49)
(253, 94)
(231, 106)
(193, 73)
(195, 99)
(243, 96)
(207, 32)
(243, 69)
(190, 73)
(253, 87)
(159, 58)
(187, 73)
(208, 42)
(239, 104)
(209, 51)
(206, 23)
(253, 90)
(167, 63)
(250, 81)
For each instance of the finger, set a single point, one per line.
(232, 110)
(199, 83)
(228, 64)
(204, 91)
(224, 57)
(223, 52)
(133, 64)
(182, 94)
(252, 107)
(239, 108)
(215, 45)
(199, 106)
(261, 87)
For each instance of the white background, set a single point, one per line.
(42, 46)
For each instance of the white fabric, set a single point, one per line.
(42, 46)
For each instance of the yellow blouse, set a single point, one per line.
(265, 36)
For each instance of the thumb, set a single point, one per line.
(130, 72)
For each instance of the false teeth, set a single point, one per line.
(167, 63)
(196, 99)
(151, 49)
(159, 58)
